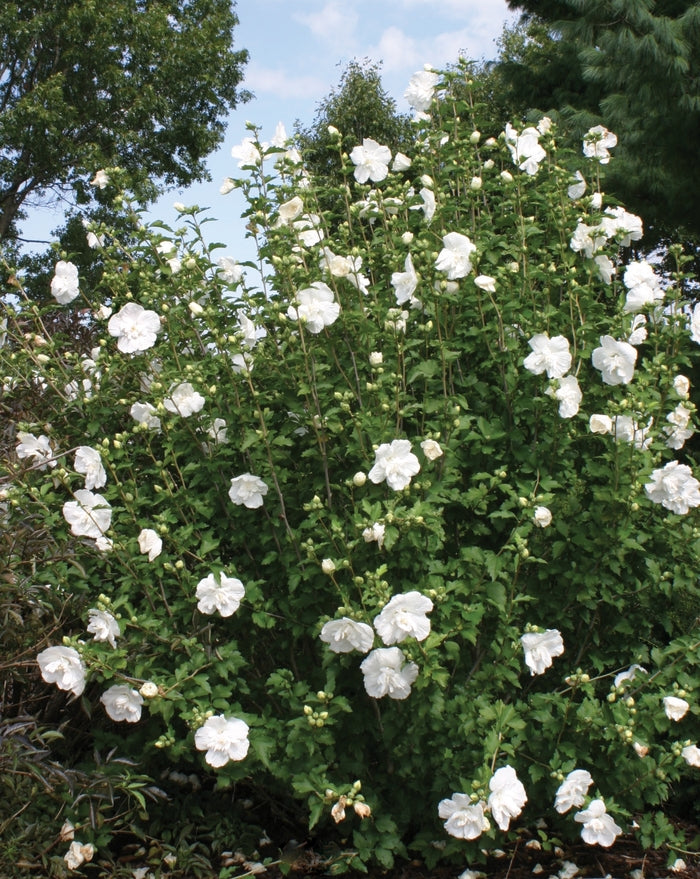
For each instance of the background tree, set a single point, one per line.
(144, 85)
(635, 64)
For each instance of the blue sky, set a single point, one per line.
(298, 49)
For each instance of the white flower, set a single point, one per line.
(223, 739)
(227, 186)
(247, 153)
(643, 286)
(386, 674)
(37, 448)
(396, 463)
(540, 649)
(464, 819)
(617, 222)
(598, 827)
(674, 487)
(401, 162)
(316, 307)
(600, 424)
(135, 328)
(681, 385)
(371, 161)
(628, 675)
(224, 596)
(569, 395)
(89, 515)
(525, 148)
(148, 690)
(679, 430)
(421, 89)
(89, 462)
(230, 271)
(429, 204)
(62, 666)
(486, 282)
(638, 330)
(587, 239)
(455, 257)
(78, 854)
(605, 268)
(101, 179)
(376, 358)
(150, 543)
(184, 400)
(691, 755)
(577, 189)
(431, 449)
(405, 283)
(404, 616)
(507, 796)
(626, 429)
(596, 143)
(64, 284)
(121, 702)
(103, 626)
(615, 360)
(247, 491)
(218, 432)
(309, 230)
(375, 532)
(548, 355)
(67, 831)
(675, 708)
(145, 414)
(542, 517)
(290, 210)
(573, 790)
(328, 566)
(345, 635)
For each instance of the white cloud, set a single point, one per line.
(281, 84)
(333, 25)
(396, 50)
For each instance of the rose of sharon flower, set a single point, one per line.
(681, 385)
(36, 448)
(145, 414)
(316, 307)
(376, 532)
(598, 827)
(674, 487)
(224, 596)
(464, 819)
(573, 790)
(507, 796)
(455, 257)
(596, 143)
(642, 285)
(403, 617)
(371, 161)
(540, 649)
(396, 463)
(431, 449)
(150, 543)
(525, 149)
(675, 708)
(569, 395)
(121, 702)
(548, 355)
(615, 360)
(135, 328)
(89, 515)
(223, 738)
(405, 283)
(542, 517)
(600, 424)
(62, 666)
(421, 88)
(64, 284)
(691, 755)
(345, 635)
(247, 491)
(386, 673)
(184, 400)
(103, 626)
(89, 462)
(247, 153)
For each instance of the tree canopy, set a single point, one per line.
(144, 85)
(637, 65)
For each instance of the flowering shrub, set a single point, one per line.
(414, 516)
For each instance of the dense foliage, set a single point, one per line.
(401, 540)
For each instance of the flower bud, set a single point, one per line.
(359, 479)
(328, 566)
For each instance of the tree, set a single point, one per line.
(638, 65)
(359, 107)
(144, 85)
